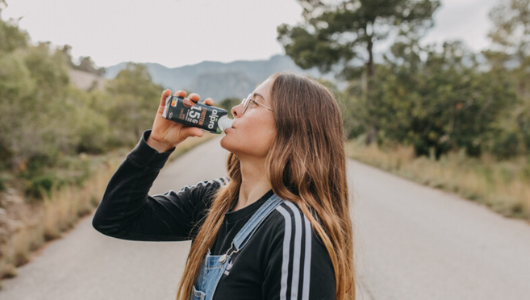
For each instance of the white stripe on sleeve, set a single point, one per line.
(286, 248)
(297, 246)
(307, 259)
(297, 271)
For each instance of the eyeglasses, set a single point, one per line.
(246, 103)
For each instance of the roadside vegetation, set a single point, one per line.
(502, 185)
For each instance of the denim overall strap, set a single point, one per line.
(214, 266)
(244, 235)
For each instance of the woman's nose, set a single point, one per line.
(236, 111)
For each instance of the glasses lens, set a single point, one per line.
(246, 103)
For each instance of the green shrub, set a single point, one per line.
(41, 185)
(4, 179)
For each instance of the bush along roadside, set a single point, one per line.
(45, 206)
(503, 186)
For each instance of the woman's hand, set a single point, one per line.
(167, 134)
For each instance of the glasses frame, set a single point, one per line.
(246, 103)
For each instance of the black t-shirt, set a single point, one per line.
(284, 259)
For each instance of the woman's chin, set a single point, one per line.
(227, 144)
(224, 143)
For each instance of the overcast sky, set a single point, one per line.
(183, 32)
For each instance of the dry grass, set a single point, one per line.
(61, 211)
(504, 186)
(54, 216)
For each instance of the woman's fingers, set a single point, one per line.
(194, 97)
(180, 93)
(188, 103)
(209, 101)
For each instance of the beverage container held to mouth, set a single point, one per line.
(206, 117)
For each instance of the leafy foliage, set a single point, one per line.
(335, 35)
(435, 98)
(441, 103)
(44, 119)
(510, 55)
(134, 103)
(11, 36)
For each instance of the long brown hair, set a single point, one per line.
(306, 164)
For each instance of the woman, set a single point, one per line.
(278, 227)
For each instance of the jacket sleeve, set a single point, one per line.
(298, 265)
(126, 211)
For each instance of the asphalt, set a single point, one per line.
(411, 242)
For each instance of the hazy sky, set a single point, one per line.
(182, 32)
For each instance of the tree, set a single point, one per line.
(338, 34)
(67, 53)
(33, 89)
(11, 37)
(135, 99)
(511, 31)
(510, 54)
(42, 116)
(86, 64)
(88, 120)
(442, 103)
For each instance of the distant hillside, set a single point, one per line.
(86, 81)
(220, 86)
(218, 80)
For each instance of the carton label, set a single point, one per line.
(199, 115)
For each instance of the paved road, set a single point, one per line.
(412, 242)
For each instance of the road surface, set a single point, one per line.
(411, 242)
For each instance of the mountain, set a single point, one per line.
(220, 86)
(219, 80)
(85, 80)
